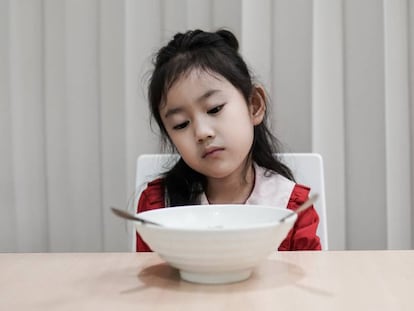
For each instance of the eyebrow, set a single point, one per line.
(199, 99)
(172, 111)
(207, 95)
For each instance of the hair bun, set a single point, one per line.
(229, 38)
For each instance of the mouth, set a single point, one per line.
(211, 151)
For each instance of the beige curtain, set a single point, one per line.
(74, 117)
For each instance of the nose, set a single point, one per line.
(203, 130)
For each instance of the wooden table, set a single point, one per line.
(351, 280)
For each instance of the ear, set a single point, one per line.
(257, 105)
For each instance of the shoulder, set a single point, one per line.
(153, 196)
(299, 195)
(303, 236)
(309, 218)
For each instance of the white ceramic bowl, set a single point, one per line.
(215, 244)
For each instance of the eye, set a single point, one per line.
(181, 125)
(215, 109)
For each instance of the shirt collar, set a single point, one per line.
(269, 189)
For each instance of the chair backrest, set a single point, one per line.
(306, 167)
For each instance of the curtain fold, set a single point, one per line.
(74, 115)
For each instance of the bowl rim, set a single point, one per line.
(252, 227)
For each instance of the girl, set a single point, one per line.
(202, 97)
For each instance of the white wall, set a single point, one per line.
(74, 116)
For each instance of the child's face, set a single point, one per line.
(210, 123)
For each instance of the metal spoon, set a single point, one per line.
(301, 208)
(129, 216)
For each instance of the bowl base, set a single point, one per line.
(216, 278)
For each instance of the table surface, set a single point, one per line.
(331, 280)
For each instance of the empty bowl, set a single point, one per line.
(215, 244)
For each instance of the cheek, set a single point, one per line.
(179, 141)
(241, 124)
(243, 133)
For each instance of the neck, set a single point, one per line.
(233, 189)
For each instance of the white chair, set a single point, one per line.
(306, 167)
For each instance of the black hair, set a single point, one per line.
(216, 53)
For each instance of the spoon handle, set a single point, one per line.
(123, 214)
(301, 208)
